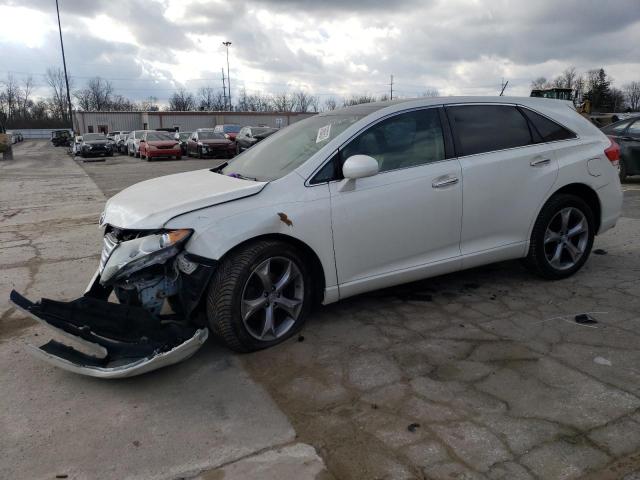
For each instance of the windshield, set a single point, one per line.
(184, 135)
(262, 130)
(158, 136)
(286, 150)
(231, 128)
(93, 136)
(210, 136)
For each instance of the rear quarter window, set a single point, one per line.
(547, 129)
(487, 128)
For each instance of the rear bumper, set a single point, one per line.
(121, 341)
(611, 198)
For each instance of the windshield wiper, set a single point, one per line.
(242, 177)
(219, 167)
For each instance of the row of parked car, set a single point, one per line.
(220, 141)
(16, 137)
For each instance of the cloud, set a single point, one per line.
(331, 47)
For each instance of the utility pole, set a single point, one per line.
(391, 85)
(227, 44)
(224, 91)
(64, 64)
(504, 85)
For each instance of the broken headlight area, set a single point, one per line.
(121, 259)
(157, 321)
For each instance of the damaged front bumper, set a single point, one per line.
(118, 340)
(158, 321)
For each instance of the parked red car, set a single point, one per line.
(207, 143)
(159, 145)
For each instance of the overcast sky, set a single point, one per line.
(328, 47)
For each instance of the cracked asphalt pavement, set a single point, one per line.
(482, 374)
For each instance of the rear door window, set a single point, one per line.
(548, 130)
(634, 129)
(486, 128)
(617, 128)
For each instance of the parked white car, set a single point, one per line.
(133, 142)
(338, 204)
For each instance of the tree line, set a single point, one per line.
(20, 108)
(597, 87)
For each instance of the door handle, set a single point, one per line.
(540, 162)
(445, 182)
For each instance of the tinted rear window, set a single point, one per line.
(486, 128)
(548, 129)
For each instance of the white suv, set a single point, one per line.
(338, 204)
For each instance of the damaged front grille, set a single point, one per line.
(109, 243)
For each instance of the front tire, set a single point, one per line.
(259, 296)
(562, 237)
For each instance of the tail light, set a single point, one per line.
(613, 152)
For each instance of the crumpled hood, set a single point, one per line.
(152, 203)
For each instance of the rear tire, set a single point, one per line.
(623, 171)
(244, 294)
(562, 237)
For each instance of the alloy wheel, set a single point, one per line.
(566, 238)
(272, 298)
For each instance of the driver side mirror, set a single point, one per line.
(360, 166)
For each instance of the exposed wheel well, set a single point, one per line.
(317, 271)
(587, 194)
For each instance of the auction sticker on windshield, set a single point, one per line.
(323, 133)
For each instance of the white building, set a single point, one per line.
(86, 122)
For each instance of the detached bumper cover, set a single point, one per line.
(124, 341)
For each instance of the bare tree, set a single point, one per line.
(100, 91)
(25, 93)
(11, 96)
(149, 105)
(282, 102)
(210, 99)
(182, 101)
(83, 97)
(121, 104)
(632, 92)
(56, 81)
(358, 99)
(430, 92)
(303, 102)
(258, 102)
(569, 77)
(617, 99)
(330, 103)
(539, 83)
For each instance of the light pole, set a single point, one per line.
(64, 64)
(227, 44)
